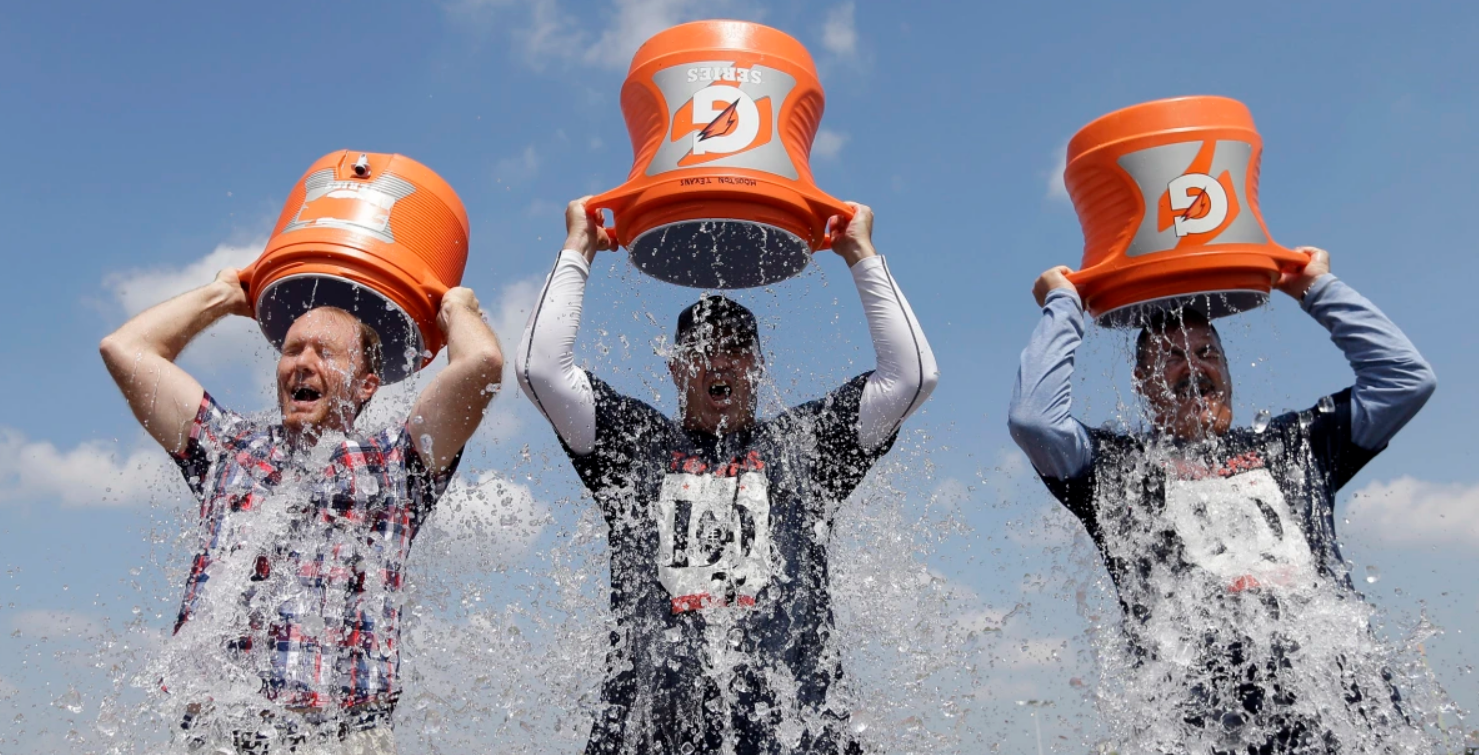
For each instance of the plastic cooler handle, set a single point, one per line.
(614, 203)
(841, 210)
(246, 276)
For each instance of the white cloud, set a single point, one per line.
(635, 22)
(1056, 187)
(1408, 511)
(519, 168)
(828, 143)
(840, 32)
(548, 33)
(93, 473)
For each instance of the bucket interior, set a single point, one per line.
(284, 300)
(1213, 304)
(720, 253)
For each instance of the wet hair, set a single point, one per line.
(1169, 320)
(372, 354)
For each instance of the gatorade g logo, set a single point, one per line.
(1197, 203)
(358, 206)
(713, 539)
(723, 114)
(1198, 192)
(731, 122)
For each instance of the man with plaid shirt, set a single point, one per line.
(292, 609)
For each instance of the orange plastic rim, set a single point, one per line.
(1167, 196)
(378, 234)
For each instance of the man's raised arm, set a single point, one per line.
(1040, 418)
(906, 371)
(454, 402)
(141, 357)
(1393, 381)
(545, 362)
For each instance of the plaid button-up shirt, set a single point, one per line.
(319, 542)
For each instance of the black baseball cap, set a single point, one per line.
(717, 317)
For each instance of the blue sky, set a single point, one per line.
(152, 145)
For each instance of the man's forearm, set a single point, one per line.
(1040, 418)
(165, 329)
(906, 371)
(545, 362)
(472, 344)
(452, 406)
(140, 357)
(1393, 381)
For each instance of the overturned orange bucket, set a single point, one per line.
(722, 115)
(379, 235)
(1167, 195)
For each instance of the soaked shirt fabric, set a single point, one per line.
(302, 555)
(719, 576)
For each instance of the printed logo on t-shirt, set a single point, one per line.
(714, 535)
(1240, 528)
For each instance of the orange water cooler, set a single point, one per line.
(379, 235)
(722, 115)
(1167, 195)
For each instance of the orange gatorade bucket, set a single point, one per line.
(379, 235)
(1167, 195)
(722, 116)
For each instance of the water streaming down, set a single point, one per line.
(507, 600)
(1220, 628)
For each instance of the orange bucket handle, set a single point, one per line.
(246, 275)
(827, 208)
(615, 201)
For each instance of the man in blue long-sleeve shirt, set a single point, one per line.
(1220, 540)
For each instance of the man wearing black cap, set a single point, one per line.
(720, 522)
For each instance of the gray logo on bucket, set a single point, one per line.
(723, 115)
(1195, 195)
(350, 205)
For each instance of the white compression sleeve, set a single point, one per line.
(906, 372)
(545, 363)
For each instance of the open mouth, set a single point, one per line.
(306, 394)
(720, 389)
(1199, 386)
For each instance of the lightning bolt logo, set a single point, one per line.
(723, 124)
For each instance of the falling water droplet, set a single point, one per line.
(1260, 422)
(1373, 574)
(1327, 404)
